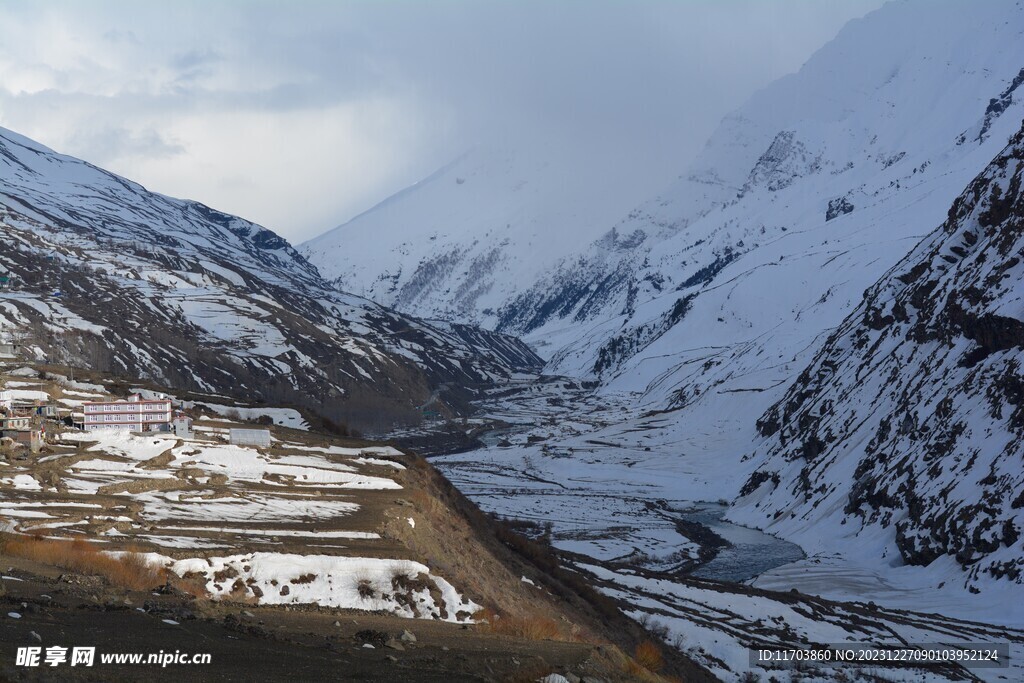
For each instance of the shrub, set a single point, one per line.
(365, 589)
(542, 555)
(127, 570)
(648, 655)
(530, 627)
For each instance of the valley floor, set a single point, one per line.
(635, 500)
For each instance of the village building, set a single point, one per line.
(7, 280)
(33, 438)
(11, 423)
(183, 426)
(35, 407)
(135, 413)
(20, 429)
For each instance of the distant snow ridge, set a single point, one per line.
(909, 422)
(462, 242)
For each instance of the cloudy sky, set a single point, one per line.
(298, 115)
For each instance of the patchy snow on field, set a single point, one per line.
(303, 533)
(291, 523)
(401, 587)
(301, 494)
(284, 417)
(22, 481)
(379, 463)
(247, 464)
(123, 442)
(29, 395)
(164, 506)
(715, 625)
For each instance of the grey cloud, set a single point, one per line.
(634, 85)
(121, 36)
(195, 58)
(107, 144)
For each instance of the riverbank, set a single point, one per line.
(638, 507)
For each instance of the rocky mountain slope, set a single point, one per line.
(909, 423)
(111, 276)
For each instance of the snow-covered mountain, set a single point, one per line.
(111, 276)
(462, 242)
(909, 424)
(800, 200)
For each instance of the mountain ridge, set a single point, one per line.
(210, 302)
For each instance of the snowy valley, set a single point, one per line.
(711, 319)
(778, 404)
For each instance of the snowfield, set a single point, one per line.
(347, 582)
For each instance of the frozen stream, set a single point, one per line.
(750, 553)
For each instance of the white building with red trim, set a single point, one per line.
(135, 414)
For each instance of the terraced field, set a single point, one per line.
(304, 521)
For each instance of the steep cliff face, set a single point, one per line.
(909, 422)
(109, 275)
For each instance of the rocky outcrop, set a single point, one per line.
(838, 207)
(785, 160)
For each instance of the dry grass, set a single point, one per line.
(426, 503)
(528, 627)
(648, 655)
(194, 586)
(129, 570)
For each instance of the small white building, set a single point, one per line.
(136, 414)
(249, 437)
(183, 426)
